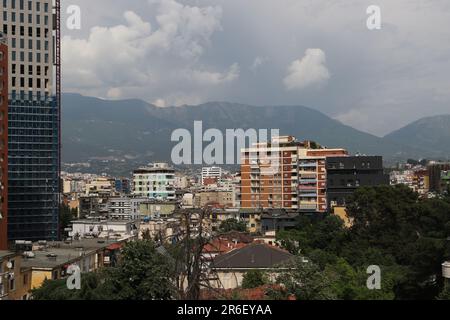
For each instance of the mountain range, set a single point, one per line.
(135, 131)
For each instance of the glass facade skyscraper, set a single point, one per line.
(33, 120)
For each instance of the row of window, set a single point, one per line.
(22, 18)
(22, 31)
(30, 44)
(30, 57)
(28, 99)
(21, 5)
(38, 83)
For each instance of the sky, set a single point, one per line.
(315, 53)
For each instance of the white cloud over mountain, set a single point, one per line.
(256, 52)
(307, 71)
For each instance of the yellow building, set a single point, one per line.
(15, 279)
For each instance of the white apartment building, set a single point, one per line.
(211, 173)
(125, 208)
(155, 182)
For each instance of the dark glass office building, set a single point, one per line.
(346, 174)
(33, 157)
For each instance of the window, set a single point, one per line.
(12, 284)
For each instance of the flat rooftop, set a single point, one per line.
(64, 252)
(5, 253)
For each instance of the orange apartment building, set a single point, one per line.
(295, 178)
(3, 142)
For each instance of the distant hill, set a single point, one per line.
(135, 130)
(431, 134)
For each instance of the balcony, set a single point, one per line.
(307, 181)
(309, 195)
(307, 206)
(307, 165)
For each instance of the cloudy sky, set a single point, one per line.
(317, 53)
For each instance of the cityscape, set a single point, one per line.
(108, 196)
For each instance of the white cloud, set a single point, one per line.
(307, 71)
(380, 78)
(143, 60)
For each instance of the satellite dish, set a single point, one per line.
(9, 265)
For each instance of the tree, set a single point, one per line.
(392, 228)
(66, 215)
(232, 225)
(91, 289)
(142, 274)
(253, 279)
(305, 280)
(394, 223)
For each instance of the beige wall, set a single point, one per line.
(22, 278)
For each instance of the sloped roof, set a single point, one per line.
(252, 256)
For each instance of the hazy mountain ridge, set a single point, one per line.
(430, 133)
(133, 129)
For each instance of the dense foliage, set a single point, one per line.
(142, 274)
(254, 279)
(392, 228)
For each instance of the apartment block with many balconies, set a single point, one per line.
(285, 173)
